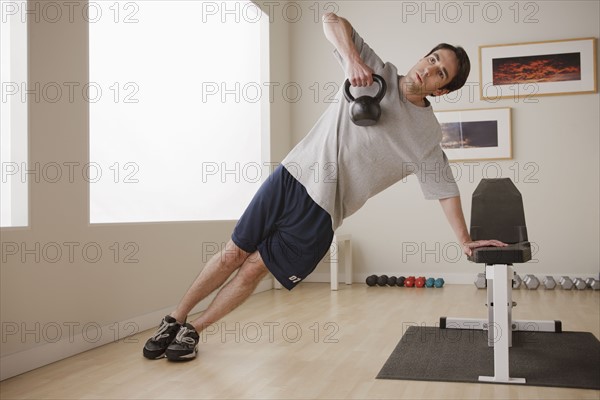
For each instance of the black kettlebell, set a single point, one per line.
(365, 110)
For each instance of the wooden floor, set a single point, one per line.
(308, 343)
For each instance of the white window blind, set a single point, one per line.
(176, 110)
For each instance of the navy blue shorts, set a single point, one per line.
(291, 232)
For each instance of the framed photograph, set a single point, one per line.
(478, 134)
(538, 69)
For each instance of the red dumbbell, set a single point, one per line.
(420, 282)
(410, 281)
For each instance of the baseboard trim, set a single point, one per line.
(451, 278)
(47, 353)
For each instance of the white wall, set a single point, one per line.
(558, 134)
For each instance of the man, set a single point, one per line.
(288, 226)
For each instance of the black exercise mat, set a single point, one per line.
(567, 359)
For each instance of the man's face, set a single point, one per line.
(432, 73)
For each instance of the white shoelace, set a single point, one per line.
(182, 338)
(160, 333)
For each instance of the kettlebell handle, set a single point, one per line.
(378, 96)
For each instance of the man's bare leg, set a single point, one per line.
(215, 272)
(235, 292)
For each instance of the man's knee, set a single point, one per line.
(233, 255)
(253, 269)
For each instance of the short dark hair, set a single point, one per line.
(464, 65)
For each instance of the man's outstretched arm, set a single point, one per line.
(339, 32)
(453, 209)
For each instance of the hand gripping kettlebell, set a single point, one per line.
(365, 110)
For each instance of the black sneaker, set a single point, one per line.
(185, 345)
(157, 345)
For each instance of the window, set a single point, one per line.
(176, 110)
(13, 117)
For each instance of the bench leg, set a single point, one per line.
(348, 261)
(333, 262)
(502, 278)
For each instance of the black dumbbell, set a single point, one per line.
(400, 281)
(382, 280)
(392, 281)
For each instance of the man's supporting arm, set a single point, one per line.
(339, 32)
(453, 209)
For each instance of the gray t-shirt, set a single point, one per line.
(342, 165)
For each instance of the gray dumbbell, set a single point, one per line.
(566, 283)
(579, 283)
(531, 282)
(549, 283)
(481, 282)
(593, 283)
(516, 282)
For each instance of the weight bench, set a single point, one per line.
(497, 213)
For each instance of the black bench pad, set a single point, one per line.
(513, 253)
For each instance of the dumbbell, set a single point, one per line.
(429, 282)
(481, 282)
(566, 283)
(439, 282)
(400, 281)
(420, 282)
(516, 284)
(593, 283)
(410, 281)
(549, 283)
(392, 281)
(579, 283)
(531, 282)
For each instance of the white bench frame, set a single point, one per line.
(500, 324)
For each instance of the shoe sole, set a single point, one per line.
(151, 356)
(185, 357)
